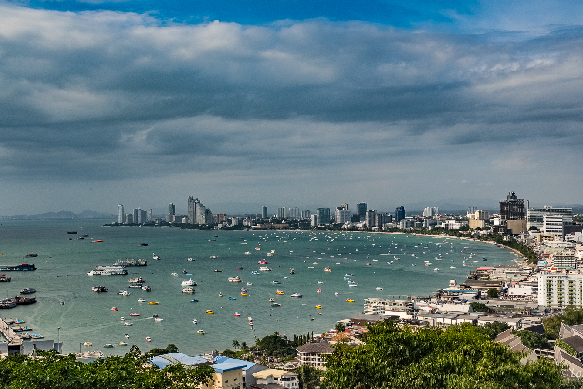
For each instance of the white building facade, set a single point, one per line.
(559, 290)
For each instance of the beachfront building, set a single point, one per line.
(399, 214)
(361, 209)
(342, 215)
(312, 354)
(323, 216)
(249, 369)
(535, 216)
(560, 289)
(120, 214)
(198, 213)
(283, 378)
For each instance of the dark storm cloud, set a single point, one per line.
(95, 95)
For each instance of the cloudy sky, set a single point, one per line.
(288, 103)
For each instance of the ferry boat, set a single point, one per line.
(22, 267)
(188, 290)
(131, 262)
(234, 279)
(189, 282)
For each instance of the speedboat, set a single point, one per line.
(158, 319)
(220, 294)
(296, 295)
(114, 309)
(88, 344)
(134, 314)
(320, 282)
(232, 298)
(201, 332)
(249, 283)
(155, 257)
(153, 303)
(141, 300)
(148, 339)
(122, 343)
(237, 314)
(194, 301)
(209, 312)
(318, 307)
(108, 345)
(349, 300)
(379, 288)
(276, 282)
(127, 323)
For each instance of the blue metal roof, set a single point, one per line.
(227, 366)
(222, 359)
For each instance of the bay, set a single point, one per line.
(393, 262)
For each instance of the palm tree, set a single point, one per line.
(236, 344)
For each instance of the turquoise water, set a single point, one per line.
(65, 298)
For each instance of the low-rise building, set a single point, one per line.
(312, 353)
(268, 377)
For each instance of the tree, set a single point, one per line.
(273, 345)
(492, 293)
(533, 340)
(492, 330)
(479, 307)
(340, 327)
(236, 344)
(308, 377)
(459, 357)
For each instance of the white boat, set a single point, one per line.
(141, 300)
(379, 288)
(158, 319)
(320, 282)
(249, 284)
(148, 339)
(188, 290)
(189, 282)
(194, 321)
(123, 293)
(296, 295)
(234, 279)
(190, 259)
(127, 323)
(264, 268)
(155, 257)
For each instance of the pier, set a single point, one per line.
(11, 336)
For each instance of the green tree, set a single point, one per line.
(236, 344)
(273, 345)
(340, 327)
(492, 293)
(479, 307)
(458, 357)
(308, 377)
(492, 330)
(533, 340)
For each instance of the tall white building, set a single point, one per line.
(560, 289)
(535, 216)
(554, 224)
(342, 215)
(430, 211)
(120, 214)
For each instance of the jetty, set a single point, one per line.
(11, 336)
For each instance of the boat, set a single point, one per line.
(349, 300)
(320, 282)
(141, 300)
(262, 262)
(97, 240)
(249, 284)
(275, 282)
(234, 279)
(237, 314)
(240, 268)
(220, 294)
(21, 267)
(188, 290)
(209, 312)
(131, 262)
(271, 300)
(319, 290)
(36, 336)
(99, 289)
(153, 303)
(276, 305)
(138, 280)
(108, 345)
(201, 332)
(213, 257)
(194, 321)
(28, 291)
(318, 307)
(174, 274)
(31, 255)
(114, 309)
(158, 319)
(127, 336)
(352, 285)
(122, 318)
(142, 244)
(123, 293)
(218, 271)
(122, 343)
(232, 298)
(134, 285)
(134, 314)
(71, 232)
(189, 282)
(296, 295)
(255, 272)
(148, 339)
(292, 271)
(190, 259)
(24, 300)
(4, 278)
(146, 288)
(279, 291)
(194, 301)
(87, 344)
(127, 323)
(327, 269)
(264, 268)
(243, 294)
(155, 257)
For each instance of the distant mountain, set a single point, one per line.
(63, 215)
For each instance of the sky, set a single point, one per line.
(288, 104)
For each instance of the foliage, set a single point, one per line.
(340, 327)
(573, 383)
(171, 348)
(458, 357)
(492, 293)
(533, 340)
(491, 330)
(273, 345)
(479, 307)
(229, 353)
(308, 377)
(568, 349)
(51, 370)
(570, 316)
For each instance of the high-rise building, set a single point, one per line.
(120, 214)
(293, 213)
(323, 216)
(142, 214)
(344, 206)
(198, 213)
(136, 215)
(361, 209)
(171, 213)
(342, 215)
(430, 211)
(399, 214)
(512, 208)
(535, 216)
(371, 218)
(264, 212)
(306, 214)
(149, 215)
(281, 213)
(560, 289)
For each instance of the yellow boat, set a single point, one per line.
(209, 311)
(243, 294)
(318, 307)
(153, 303)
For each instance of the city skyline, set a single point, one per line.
(256, 103)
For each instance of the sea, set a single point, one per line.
(381, 265)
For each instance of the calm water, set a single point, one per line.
(65, 298)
